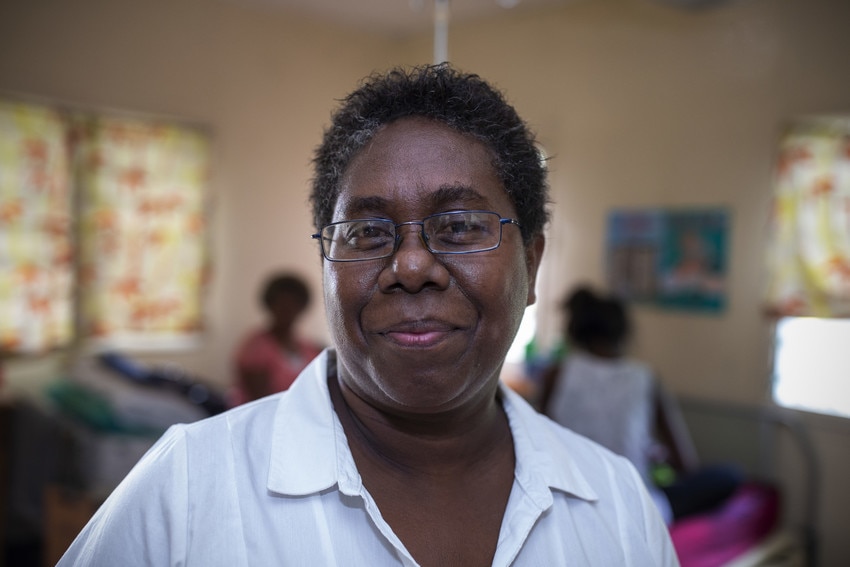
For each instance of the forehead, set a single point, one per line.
(415, 166)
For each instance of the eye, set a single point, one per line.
(465, 227)
(462, 229)
(367, 234)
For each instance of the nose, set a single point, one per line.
(410, 227)
(413, 267)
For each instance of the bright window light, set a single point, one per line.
(812, 365)
(516, 354)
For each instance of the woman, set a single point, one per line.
(600, 392)
(270, 358)
(399, 446)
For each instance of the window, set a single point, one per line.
(111, 207)
(809, 267)
(142, 258)
(36, 273)
(812, 366)
(525, 334)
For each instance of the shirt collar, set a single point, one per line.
(542, 461)
(308, 443)
(310, 453)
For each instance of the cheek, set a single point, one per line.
(345, 293)
(335, 291)
(516, 298)
(502, 294)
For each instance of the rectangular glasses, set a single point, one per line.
(458, 232)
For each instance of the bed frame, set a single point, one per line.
(759, 438)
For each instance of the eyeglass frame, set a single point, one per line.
(397, 237)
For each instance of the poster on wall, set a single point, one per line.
(672, 258)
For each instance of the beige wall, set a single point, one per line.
(262, 81)
(645, 106)
(641, 105)
(638, 104)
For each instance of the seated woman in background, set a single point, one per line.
(269, 359)
(601, 393)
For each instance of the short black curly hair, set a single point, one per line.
(284, 283)
(596, 320)
(462, 101)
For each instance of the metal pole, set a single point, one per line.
(441, 31)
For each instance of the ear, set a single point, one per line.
(533, 255)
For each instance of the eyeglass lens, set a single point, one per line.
(444, 233)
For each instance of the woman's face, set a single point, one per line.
(419, 333)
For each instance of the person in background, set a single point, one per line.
(600, 392)
(398, 446)
(270, 358)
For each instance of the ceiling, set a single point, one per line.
(398, 17)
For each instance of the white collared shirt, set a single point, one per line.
(273, 482)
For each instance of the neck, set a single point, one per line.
(416, 444)
(283, 335)
(604, 350)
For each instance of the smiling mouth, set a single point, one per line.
(419, 335)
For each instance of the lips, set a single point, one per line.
(419, 333)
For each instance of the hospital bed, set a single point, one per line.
(772, 446)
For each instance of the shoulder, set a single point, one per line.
(255, 338)
(236, 424)
(540, 439)
(241, 436)
(598, 489)
(256, 348)
(596, 462)
(187, 494)
(641, 376)
(309, 347)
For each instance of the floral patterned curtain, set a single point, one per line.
(36, 271)
(809, 250)
(137, 193)
(143, 254)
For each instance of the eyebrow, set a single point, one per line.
(444, 196)
(359, 204)
(447, 194)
